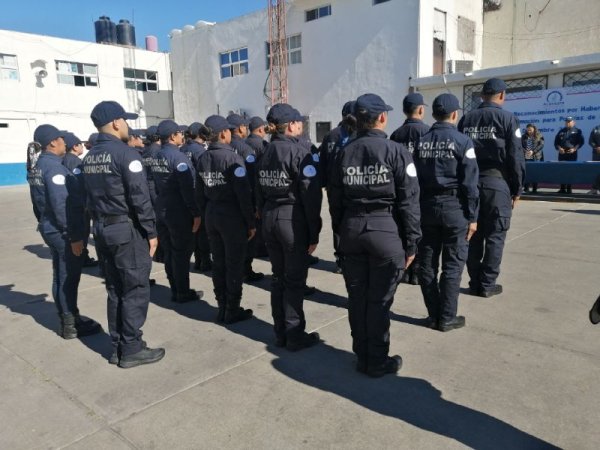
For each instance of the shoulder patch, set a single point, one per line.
(315, 157)
(250, 159)
(518, 133)
(76, 171)
(240, 172)
(135, 166)
(182, 167)
(59, 179)
(309, 171)
(470, 153)
(411, 170)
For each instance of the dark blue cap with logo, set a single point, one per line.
(445, 104)
(44, 134)
(218, 124)
(71, 140)
(569, 119)
(414, 99)
(194, 128)
(348, 108)
(371, 105)
(493, 86)
(105, 112)
(257, 122)
(237, 120)
(168, 127)
(283, 113)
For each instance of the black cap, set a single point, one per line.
(168, 127)
(218, 124)
(569, 119)
(237, 120)
(284, 113)
(152, 130)
(105, 112)
(445, 104)
(372, 105)
(92, 139)
(257, 122)
(137, 132)
(493, 86)
(71, 140)
(194, 128)
(348, 108)
(44, 134)
(414, 99)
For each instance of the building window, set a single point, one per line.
(77, 74)
(317, 13)
(141, 80)
(514, 89)
(9, 70)
(234, 62)
(294, 50)
(323, 129)
(377, 2)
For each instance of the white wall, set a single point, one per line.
(25, 105)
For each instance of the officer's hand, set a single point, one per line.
(561, 151)
(312, 248)
(257, 215)
(251, 233)
(196, 225)
(153, 243)
(471, 230)
(409, 261)
(515, 200)
(77, 248)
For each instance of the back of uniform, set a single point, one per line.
(448, 177)
(409, 133)
(497, 138)
(374, 204)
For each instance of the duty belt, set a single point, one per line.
(441, 191)
(111, 220)
(496, 173)
(361, 209)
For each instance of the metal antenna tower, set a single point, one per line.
(278, 81)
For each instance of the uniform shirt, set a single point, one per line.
(72, 162)
(193, 150)
(333, 143)
(375, 172)
(240, 147)
(174, 180)
(223, 182)
(497, 138)
(594, 142)
(445, 160)
(258, 144)
(148, 158)
(409, 133)
(116, 184)
(568, 138)
(54, 189)
(287, 174)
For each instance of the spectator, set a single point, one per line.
(532, 142)
(594, 142)
(568, 140)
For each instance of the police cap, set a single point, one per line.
(92, 139)
(152, 130)
(257, 122)
(71, 140)
(494, 86)
(371, 105)
(194, 128)
(137, 132)
(348, 108)
(284, 113)
(44, 134)
(218, 124)
(107, 111)
(569, 119)
(414, 99)
(237, 120)
(168, 127)
(445, 104)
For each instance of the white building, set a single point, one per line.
(338, 49)
(58, 81)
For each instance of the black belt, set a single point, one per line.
(496, 173)
(362, 209)
(436, 192)
(111, 220)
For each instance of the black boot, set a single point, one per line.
(86, 326)
(222, 307)
(66, 329)
(234, 312)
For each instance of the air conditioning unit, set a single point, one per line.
(459, 65)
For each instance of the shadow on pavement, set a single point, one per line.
(40, 250)
(593, 212)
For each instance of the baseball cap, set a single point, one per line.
(107, 111)
(445, 104)
(494, 86)
(284, 113)
(218, 124)
(257, 122)
(168, 127)
(348, 108)
(237, 120)
(414, 99)
(44, 134)
(372, 105)
(71, 140)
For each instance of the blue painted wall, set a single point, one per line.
(12, 174)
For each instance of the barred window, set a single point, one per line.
(584, 81)
(472, 92)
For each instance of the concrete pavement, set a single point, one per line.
(522, 374)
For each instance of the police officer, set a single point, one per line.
(594, 142)
(256, 139)
(448, 176)
(193, 148)
(238, 143)
(225, 198)
(59, 202)
(330, 149)
(567, 141)
(289, 202)
(375, 209)
(136, 140)
(73, 162)
(125, 230)
(497, 138)
(178, 215)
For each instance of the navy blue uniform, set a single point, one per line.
(258, 144)
(568, 138)
(289, 198)
(124, 221)
(594, 142)
(375, 208)
(225, 200)
(54, 190)
(193, 150)
(176, 208)
(497, 138)
(409, 133)
(448, 177)
(148, 158)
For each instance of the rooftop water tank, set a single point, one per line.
(106, 31)
(152, 43)
(125, 33)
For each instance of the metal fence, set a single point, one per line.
(516, 87)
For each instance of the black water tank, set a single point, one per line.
(125, 33)
(106, 31)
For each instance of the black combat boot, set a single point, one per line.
(86, 326)
(234, 312)
(66, 329)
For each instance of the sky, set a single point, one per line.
(74, 19)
